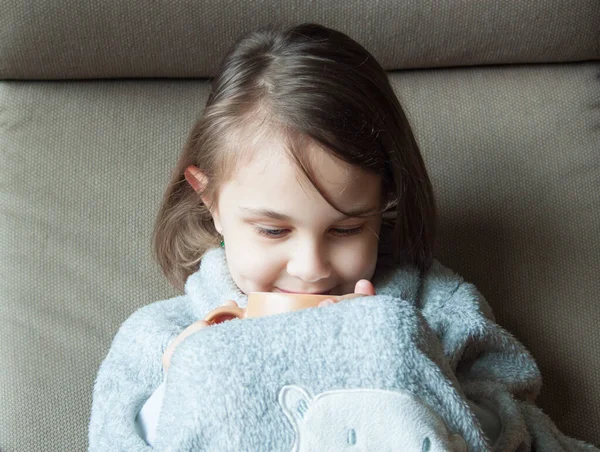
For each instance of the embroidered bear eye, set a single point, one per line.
(301, 408)
(351, 437)
(426, 445)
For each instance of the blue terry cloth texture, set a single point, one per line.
(420, 366)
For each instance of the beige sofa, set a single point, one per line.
(96, 99)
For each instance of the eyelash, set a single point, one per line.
(277, 233)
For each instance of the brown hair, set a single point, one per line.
(308, 83)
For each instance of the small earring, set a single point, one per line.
(222, 242)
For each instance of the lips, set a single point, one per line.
(306, 293)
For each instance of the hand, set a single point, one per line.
(362, 288)
(194, 327)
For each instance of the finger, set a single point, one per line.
(327, 302)
(348, 296)
(364, 287)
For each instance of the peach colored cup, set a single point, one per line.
(266, 303)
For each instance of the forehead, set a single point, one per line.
(270, 178)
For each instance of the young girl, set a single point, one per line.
(303, 175)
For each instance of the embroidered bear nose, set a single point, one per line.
(352, 437)
(426, 445)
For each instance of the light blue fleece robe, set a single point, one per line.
(420, 366)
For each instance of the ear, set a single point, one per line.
(295, 401)
(195, 178)
(217, 220)
(198, 180)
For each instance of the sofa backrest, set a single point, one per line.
(187, 39)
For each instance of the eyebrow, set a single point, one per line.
(356, 213)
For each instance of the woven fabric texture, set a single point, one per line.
(62, 39)
(512, 153)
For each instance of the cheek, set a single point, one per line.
(356, 262)
(252, 269)
(359, 261)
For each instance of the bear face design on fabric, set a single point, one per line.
(365, 420)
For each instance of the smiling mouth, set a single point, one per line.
(306, 293)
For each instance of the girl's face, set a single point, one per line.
(282, 236)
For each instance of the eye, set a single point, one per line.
(271, 233)
(346, 232)
(339, 232)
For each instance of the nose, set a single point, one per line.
(309, 263)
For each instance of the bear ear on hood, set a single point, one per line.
(295, 401)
